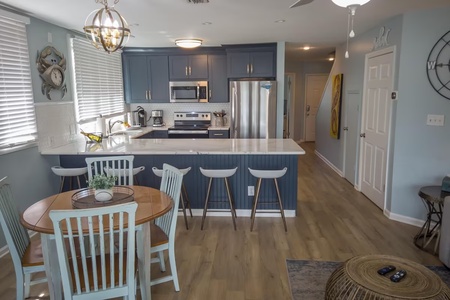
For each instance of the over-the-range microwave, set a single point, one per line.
(188, 91)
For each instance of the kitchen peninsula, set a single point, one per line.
(207, 153)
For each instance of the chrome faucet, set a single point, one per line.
(110, 126)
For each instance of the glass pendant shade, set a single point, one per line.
(347, 3)
(106, 28)
(188, 43)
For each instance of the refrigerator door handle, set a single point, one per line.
(233, 112)
(198, 92)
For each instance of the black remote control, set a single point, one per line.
(386, 270)
(398, 276)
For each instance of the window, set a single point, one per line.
(17, 116)
(98, 81)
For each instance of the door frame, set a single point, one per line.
(291, 113)
(391, 119)
(327, 75)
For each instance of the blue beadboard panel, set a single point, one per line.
(197, 184)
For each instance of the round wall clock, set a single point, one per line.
(51, 65)
(438, 66)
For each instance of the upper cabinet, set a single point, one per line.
(183, 67)
(248, 62)
(218, 81)
(146, 78)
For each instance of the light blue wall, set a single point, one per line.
(421, 152)
(28, 172)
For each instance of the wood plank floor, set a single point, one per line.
(334, 222)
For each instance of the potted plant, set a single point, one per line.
(102, 186)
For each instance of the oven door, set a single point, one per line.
(188, 134)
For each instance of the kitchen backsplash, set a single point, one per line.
(170, 108)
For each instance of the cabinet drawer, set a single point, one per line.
(219, 134)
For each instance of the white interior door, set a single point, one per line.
(376, 121)
(315, 84)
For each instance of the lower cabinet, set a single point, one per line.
(219, 134)
(155, 134)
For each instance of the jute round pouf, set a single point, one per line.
(357, 278)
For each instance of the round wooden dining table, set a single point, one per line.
(152, 204)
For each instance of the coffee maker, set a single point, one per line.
(157, 116)
(139, 117)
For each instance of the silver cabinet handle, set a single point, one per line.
(186, 71)
(210, 94)
(248, 68)
(251, 69)
(149, 95)
(218, 134)
(198, 92)
(190, 71)
(146, 95)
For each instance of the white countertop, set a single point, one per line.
(127, 144)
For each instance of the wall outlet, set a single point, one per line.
(251, 190)
(435, 120)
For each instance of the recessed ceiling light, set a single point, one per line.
(306, 48)
(206, 23)
(280, 21)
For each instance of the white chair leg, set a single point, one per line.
(20, 285)
(162, 264)
(173, 268)
(27, 284)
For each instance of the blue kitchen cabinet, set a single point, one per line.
(146, 78)
(188, 67)
(217, 80)
(248, 64)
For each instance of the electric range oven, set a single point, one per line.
(190, 125)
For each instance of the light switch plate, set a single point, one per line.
(435, 120)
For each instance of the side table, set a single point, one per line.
(433, 199)
(357, 278)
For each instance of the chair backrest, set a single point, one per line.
(16, 235)
(103, 231)
(120, 166)
(171, 182)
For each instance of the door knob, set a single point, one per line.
(308, 108)
(345, 128)
(363, 135)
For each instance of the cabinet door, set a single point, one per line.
(158, 70)
(238, 64)
(262, 64)
(218, 82)
(178, 67)
(135, 78)
(198, 67)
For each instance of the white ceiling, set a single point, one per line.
(157, 23)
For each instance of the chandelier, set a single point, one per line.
(106, 28)
(351, 5)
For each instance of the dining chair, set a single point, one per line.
(108, 274)
(120, 166)
(163, 230)
(26, 254)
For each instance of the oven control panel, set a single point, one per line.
(192, 116)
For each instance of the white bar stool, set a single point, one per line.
(224, 173)
(267, 174)
(184, 196)
(69, 172)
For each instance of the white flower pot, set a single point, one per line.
(103, 194)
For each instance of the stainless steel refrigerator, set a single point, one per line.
(253, 109)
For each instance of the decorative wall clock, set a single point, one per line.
(51, 65)
(438, 66)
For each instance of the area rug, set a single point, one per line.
(308, 278)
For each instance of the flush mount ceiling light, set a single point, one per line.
(106, 28)
(188, 43)
(351, 5)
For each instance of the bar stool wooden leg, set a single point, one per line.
(78, 180)
(188, 202)
(281, 205)
(206, 202)
(61, 184)
(233, 212)
(184, 210)
(255, 202)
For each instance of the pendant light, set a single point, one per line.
(351, 5)
(106, 28)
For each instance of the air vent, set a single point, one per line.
(198, 1)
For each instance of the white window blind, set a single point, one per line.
(98, 81)
(17, 116)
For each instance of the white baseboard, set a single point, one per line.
(329, 163)
(404, 219)
(288, 213)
